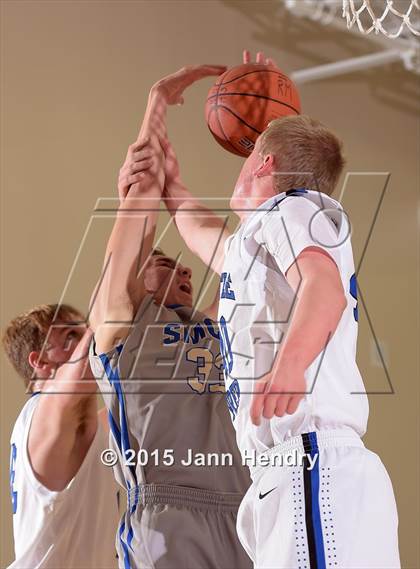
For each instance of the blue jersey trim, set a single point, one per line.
(114, 429)
(353, 293)
(316, 513)
(127, 564)
(12, 474)
(130, 536)
(315, 538)
(123, 441)
(296, 192)
(114, 379)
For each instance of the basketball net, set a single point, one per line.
(391, 19)
(396, 24)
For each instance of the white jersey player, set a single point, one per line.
(64, 500)
(333, 486)
(288, 321)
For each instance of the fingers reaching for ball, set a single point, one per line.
(172, 87)
(260, 58)
(246, 56)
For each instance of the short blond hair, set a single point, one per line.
(27, 333)
(308, 153)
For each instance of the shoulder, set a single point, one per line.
(25, 416)
(148, 313)
(309, 210)
(289, 204)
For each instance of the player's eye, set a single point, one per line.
(165, 263)
(69, 339)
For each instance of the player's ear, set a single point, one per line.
(266, 167)
(37, 363)
(34, 360)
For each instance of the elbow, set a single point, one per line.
(333, 303)
(116, 311)
(120, 311)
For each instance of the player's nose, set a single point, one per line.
(184, 271)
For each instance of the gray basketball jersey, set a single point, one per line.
(164, 391)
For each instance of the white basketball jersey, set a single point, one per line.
(256, 307)
(74, 528)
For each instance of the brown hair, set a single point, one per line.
(308, 153)
(157, 251)
(27, 333)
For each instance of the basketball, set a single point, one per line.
(244, 100)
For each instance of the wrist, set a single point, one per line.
(291, 358)
(157, 93)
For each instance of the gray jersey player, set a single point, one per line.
(157, 361)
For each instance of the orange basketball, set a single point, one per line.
(244, 100)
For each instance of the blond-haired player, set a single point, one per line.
(288, 322)
(64, 501)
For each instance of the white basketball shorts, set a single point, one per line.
(333, 507)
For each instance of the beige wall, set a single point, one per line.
(74, 81)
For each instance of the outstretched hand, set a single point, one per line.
(260, 58)
(142, 158)
(172, 87)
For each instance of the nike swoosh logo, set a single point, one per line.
(267, 493)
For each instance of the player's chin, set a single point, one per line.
(238, 199)
(186, 298)
(235, 199)
(183, 297)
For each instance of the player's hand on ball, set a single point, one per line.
(141, 158)
(172, 87)
(277, 393)
(246, 58)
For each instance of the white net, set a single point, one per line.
(393, 18)
(396, 23)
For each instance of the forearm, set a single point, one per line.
(66, 408)
(153, 123)
(73, 383)
(58, 441)
(121, 289)
(202, 230)
(119, 293)
(176, 194)
(189, 214)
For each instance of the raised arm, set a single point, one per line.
(120, 289)
(203, 231)
(64, 421)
